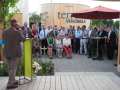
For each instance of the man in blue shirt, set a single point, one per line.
(77, 39)
(83, 40)
(69, 28)
(115, 30)
(43, 36)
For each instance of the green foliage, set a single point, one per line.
(21, 71)
(94, 22)
(4, 69)
(107, 22)
(117, 24)
(41, 17)
(47, 68)
(6, 15)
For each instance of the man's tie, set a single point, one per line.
(82, 34)
(44, 33)
(108, 37)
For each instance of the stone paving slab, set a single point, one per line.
(85, 73)
(113, 77)
(80, 63)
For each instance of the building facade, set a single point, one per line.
(60, 14)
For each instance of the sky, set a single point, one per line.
(34, 5)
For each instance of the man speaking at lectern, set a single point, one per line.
(12, 51)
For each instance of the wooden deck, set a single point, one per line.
(77, 82)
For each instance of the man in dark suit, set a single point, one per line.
(111, 42)
(27, 30)
(101, 42)
(91, 33)
(54, 32)
(12, 51)
(38, 28)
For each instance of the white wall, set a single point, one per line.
(26, 11)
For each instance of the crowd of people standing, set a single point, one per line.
(75, 39)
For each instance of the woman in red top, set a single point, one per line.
(33, 31)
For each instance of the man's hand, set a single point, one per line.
(105, 37)
(74, 40)
(36, 47)
(88, 36)
(108, 38)
(84, 34)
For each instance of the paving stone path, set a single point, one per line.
(80, 63)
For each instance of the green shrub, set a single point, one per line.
(21, 62)
(4, 69)
(47, 68)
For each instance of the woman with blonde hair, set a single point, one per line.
(59, 45)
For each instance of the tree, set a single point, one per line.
(107, 22)
(41, 17)
(94, 22)
(5, 14)
(117, 24)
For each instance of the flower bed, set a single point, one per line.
(46, 68)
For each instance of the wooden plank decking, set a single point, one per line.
(77, 82)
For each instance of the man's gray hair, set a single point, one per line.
(25, 23)
(102, 26)
(109, 27)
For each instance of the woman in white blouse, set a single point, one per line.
(59, 46)
(67, 46)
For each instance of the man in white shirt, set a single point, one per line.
(49, 30)
(63, 32)
(83, 40)
(91, 33)
(43, 37)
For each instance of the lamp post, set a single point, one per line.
(52, 17)
(52, 13)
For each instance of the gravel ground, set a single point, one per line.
(80, 63)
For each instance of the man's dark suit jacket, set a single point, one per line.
(112, 37)
(39, 29)
(102, 41)
(29, 34)
(55, 33)
(11, 39)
